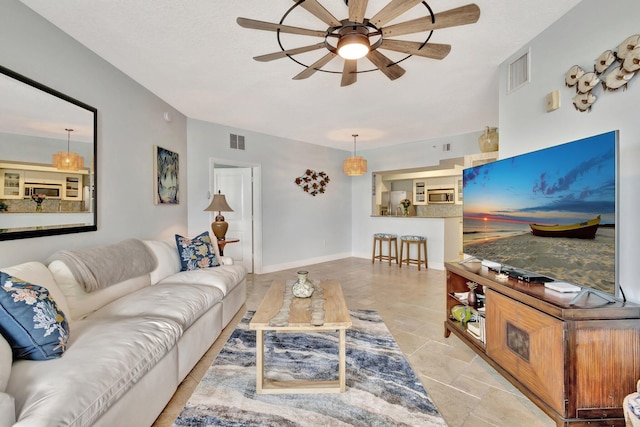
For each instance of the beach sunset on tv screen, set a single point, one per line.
(564, 191)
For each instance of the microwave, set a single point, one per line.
(52, 191)
(443, 195)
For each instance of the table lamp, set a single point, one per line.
(219, 226)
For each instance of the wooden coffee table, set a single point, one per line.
(336, 317)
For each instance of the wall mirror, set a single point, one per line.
(48, 146)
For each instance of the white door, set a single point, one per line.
(235, 184)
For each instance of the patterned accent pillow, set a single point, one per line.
(31, 321)
(197, 252)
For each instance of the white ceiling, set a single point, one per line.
(194, 55)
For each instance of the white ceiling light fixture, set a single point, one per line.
(354, 165)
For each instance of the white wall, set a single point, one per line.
(297, 228)
(404, 156)
(578, 38)
(130, 122)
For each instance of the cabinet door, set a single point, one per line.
(419, 192)
(12, 184)
(528, 344)
(72, 187)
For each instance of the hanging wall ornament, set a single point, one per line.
(617, 79)
(587, 82)
(572, 76)
(313, 182)
(631, 63)
(604, 61)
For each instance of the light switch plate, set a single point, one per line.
(553, 101)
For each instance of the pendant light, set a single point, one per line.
(354, 165)
(66, 160)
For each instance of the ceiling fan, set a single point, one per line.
(356, 36)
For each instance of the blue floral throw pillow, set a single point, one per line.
(31, 321)
(197, 252)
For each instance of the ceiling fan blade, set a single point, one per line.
(450, 18)
(392, 10)
(349, 72)
(357, 9)
(308, 72)
(317, 10)
(430, 50)
(289, 52)
(268, 26)
(384, 64)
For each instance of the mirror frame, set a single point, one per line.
(61, 230)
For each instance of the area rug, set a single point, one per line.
(382, 389)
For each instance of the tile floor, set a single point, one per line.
(466, 390)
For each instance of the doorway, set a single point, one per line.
(240, 183)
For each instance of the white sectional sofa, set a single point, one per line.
(130, 344)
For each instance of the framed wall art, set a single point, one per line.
(166, 176)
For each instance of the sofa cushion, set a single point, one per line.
(167, 259)
(81, 302)
(196, 253)
(6, 360)
(182, 303)
(30, 320)
(37, 272)
(7, 410)
(105, 357)
(225, 277)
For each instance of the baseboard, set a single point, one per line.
(318, 260)
(302, 262)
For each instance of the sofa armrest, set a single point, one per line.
(638, 387)
(226, 260)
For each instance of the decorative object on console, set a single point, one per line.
(302, 288)
(489, 140)
(313, 182)
(196, 253)
(627, 57)
(354, 165)
(166, 176)
(219, 226)
(357, 36)
(67, 160)
(472, 298)
(30, 320)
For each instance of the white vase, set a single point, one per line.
(302, 288)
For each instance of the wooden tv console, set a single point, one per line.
(577, 363)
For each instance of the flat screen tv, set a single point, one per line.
(550, 212)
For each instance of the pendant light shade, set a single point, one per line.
(66, 160)
(354, 165)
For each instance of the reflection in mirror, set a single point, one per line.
(48, 145)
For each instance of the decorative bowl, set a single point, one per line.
(474, 265)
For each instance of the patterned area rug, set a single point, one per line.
(382, 389)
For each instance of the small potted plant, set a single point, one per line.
(3, 206)
(405, 204)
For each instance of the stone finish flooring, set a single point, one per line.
(467, 391)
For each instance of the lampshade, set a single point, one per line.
(489, 140)
(219, 226)
(353, 46)
(66, 160)
(354, 165)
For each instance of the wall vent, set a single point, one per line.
(519, 72)
(236, 142)
(446, 147)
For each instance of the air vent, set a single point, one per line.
(519, 72)
(446, 147)
(236, 142)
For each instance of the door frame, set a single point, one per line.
(256, 200)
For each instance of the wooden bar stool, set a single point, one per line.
(389, 238)
(419, 241)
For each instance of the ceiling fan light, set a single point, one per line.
(353, 46)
